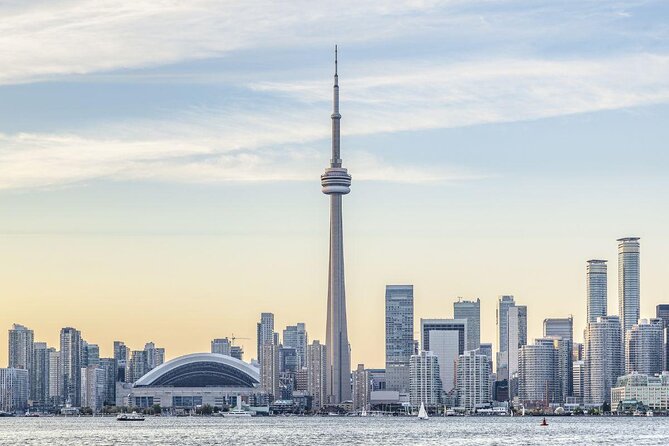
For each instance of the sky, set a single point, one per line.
(160, 162)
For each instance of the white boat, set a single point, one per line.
(422, 413)
(449, 413)
(650, 413)
(238, 411)
(134, 416)
(364, 412)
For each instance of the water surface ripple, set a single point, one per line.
(314, 431)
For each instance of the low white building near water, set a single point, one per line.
(652, 391)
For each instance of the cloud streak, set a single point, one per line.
(279, 131)
(279, 142)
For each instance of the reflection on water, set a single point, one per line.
(328, 431)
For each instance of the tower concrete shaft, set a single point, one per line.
(336, 182)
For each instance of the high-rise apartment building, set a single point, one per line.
(425, 382)
(137, 366)
(596, 283)
(560, 327)
(578, 387)
(221, 346)
(361, 388)
(55, 377)
(471, 312)
(474, 380)
(486, 349)
(502, 314)
(662, 312)
(237, 352)
(154, 356)
(399, 336)
(14, 391)
(21, 349)
(70, 364)
(295, 336)
(517, 337)
(108, 365)
(288, 359)
(270, 370)
(644, 347)
(538, 373)
(629, 297)
(265, 332)
(565, 367)
(121, 358)
(92, 354)
(39, 384)
(446, 339)
(604, 362)
(93, 387)
(317, 374)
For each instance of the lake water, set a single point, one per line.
(335, 431)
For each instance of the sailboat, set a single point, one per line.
(364, 412)
(422, 413)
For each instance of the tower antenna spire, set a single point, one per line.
(335, 60)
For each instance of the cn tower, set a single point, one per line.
(336, 182)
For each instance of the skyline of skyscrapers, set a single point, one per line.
(429, 371)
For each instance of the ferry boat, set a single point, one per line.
(238, 411)
(134, 416)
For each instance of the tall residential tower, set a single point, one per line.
(628, 282)
(596, 284)
(471, 311)
(399, 336)
(336, 182)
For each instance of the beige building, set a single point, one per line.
(652, 391)
(361, 388)
(316, 374)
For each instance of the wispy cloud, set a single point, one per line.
(211, 149)
(278, 142)
(276, 137)
(48, 38)
(412, 95)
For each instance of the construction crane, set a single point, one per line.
(234, 338)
